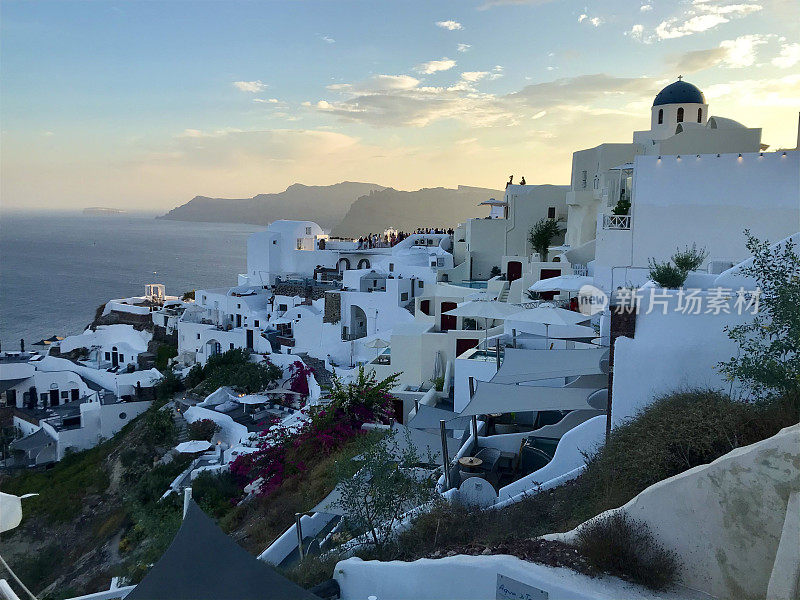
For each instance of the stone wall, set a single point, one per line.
(726, 519)
(333, 308)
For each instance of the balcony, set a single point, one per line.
(616, 221)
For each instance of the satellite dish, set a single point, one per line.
(478, 492)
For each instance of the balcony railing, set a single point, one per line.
(616, 221)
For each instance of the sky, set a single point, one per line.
(145, 104)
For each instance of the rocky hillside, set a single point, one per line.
(325, 205)
(428, 207)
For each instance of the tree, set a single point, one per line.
(203, 429)
(769, 346)
(541, 234)
(385, 487)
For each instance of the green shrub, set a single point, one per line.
(216, 493)
(37, 569)
(689, 259)
(621, 546)
(163, 354)
(666, 274)
(203, 429)
(623, 207)
(160, 427)
(235, 369)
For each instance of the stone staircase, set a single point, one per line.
(321, 374)
(180, 425)
(503, 295)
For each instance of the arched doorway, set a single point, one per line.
(358, 322)
(114, 357)
(363, 263)
(213, 347)
(343, 265)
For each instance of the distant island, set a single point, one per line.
(102, 210)
(347, 208)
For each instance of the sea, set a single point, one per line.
(56, 269)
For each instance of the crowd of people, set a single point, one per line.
(390, 238)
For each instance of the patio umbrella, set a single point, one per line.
(48, 341)
(549, 316)
(193, 446)
(565, 283)
(377, 343)
(484, 309)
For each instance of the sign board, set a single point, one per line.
(511, 589)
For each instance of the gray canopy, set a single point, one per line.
(528, 365)
(203, 563)
(503, 398)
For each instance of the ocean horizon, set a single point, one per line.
(56, 268)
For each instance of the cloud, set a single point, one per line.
(492, 3)
(698, 17)
(450, 25)
(735, 54)
(433, 66)
(788, 57)
(250, 86)
(594, 21)
(741, 52)
(420, 106)
(473, 76)
(646, 7)
(327, 39)
(463, 47)
(267, 101)
(377, 84)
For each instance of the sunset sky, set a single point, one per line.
(145, 104)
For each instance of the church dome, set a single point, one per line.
(680, 92)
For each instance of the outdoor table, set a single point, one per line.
(470, 462)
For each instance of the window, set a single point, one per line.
(404, 296)
(308, 230)
(255, 322)
(231, 346)
(299, 243)
(282, 307)
(421, 284)
(123, 415)
(660, 116)
(391, 267)
(680, 115)
(583, 179)
(108, 354)
(65, 394)
(274, 242)
(551, 212)
(439, 262)
(238, 306)
(699, 115)
(121, 358)
(43, 397)
(198, 336)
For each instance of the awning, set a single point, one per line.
(38, 439)
(520, 365)
(566, 283)
(428, 417)
(203, 562)
(582, 254)
(493, 397)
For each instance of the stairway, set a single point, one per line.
(321, 374)
(503, 295)
(180, 425)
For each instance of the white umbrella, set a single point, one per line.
(549, 316)
(566, 283)
(377, 343)
(193, 446)
(250, 399)
(485, 309)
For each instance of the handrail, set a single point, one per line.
(616, 221)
